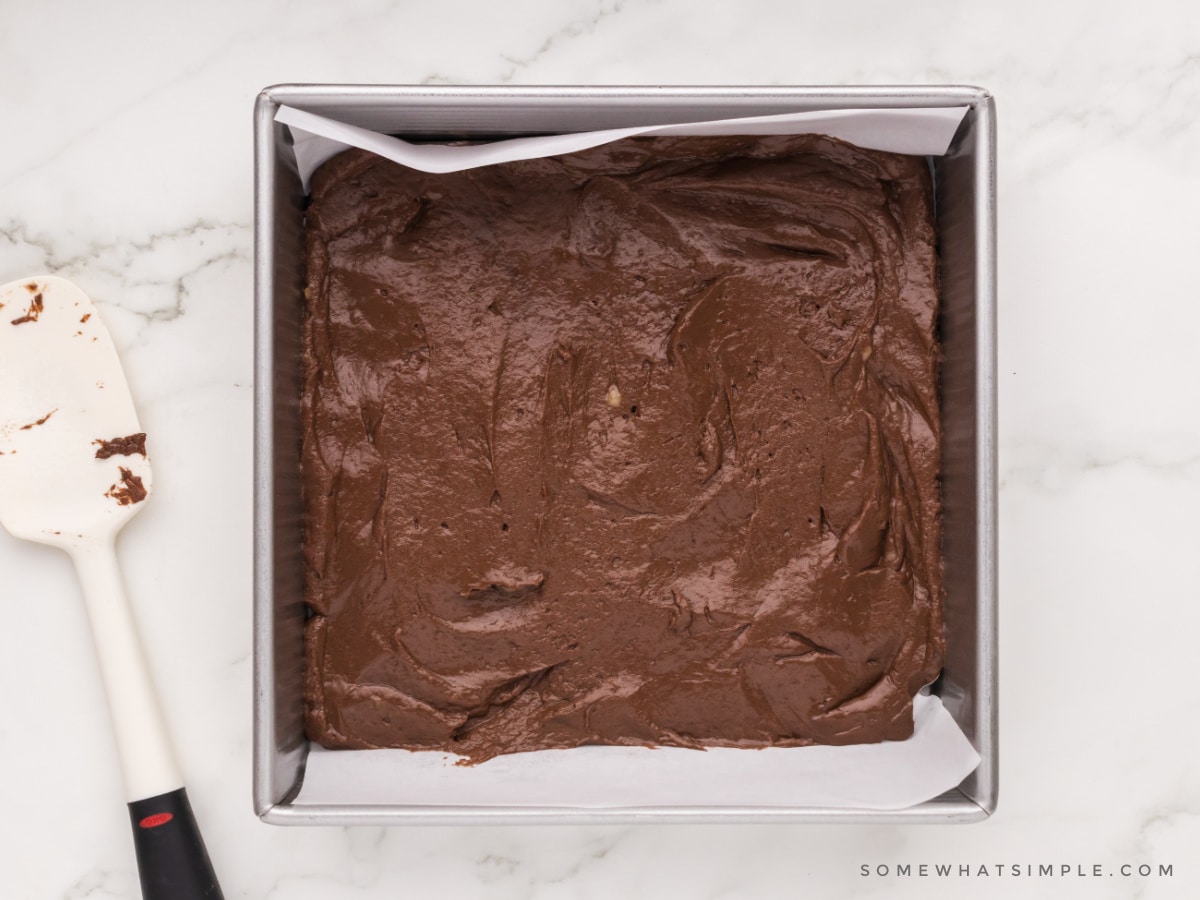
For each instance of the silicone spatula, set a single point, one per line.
(73, 471)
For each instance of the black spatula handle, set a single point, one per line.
(172, 861)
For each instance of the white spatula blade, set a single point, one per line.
(63, 401)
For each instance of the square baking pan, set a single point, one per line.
(966, 221)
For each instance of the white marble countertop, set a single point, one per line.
(125, 165)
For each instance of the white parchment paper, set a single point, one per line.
(888, 775)
(925, 131)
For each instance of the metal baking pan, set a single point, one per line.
(965, 181)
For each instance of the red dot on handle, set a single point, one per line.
(155, 820)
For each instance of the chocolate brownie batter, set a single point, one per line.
(121, 446)
(634, 446)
